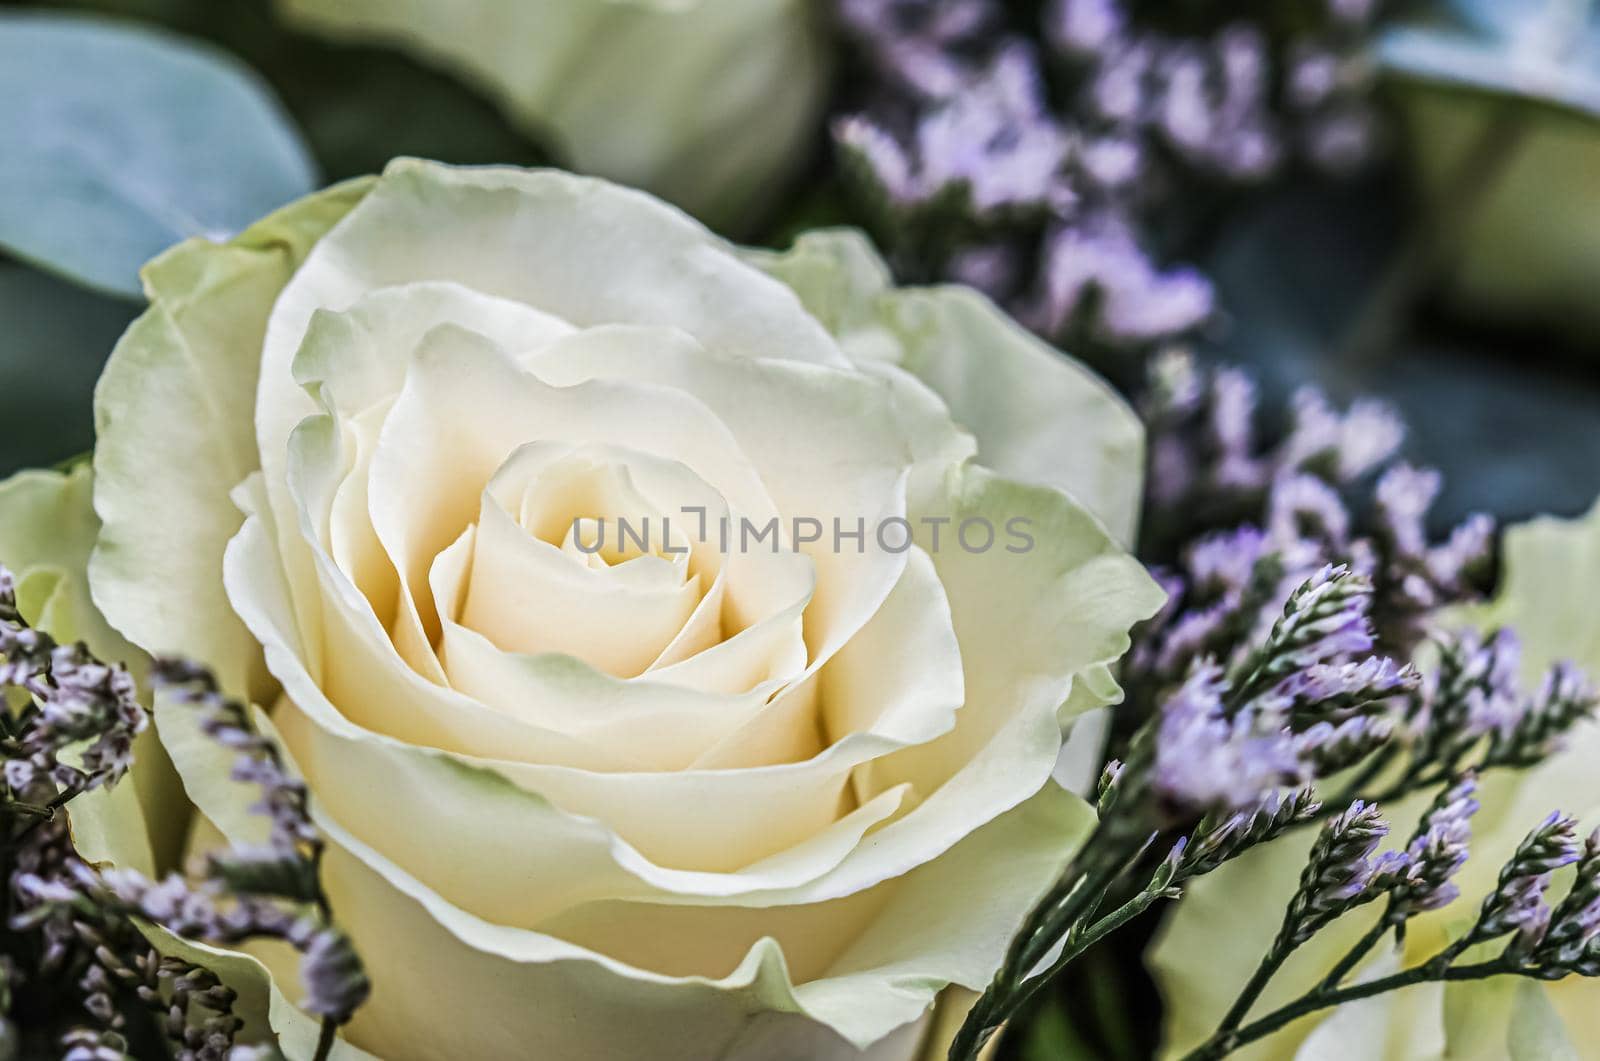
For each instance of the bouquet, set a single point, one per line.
(865, 530)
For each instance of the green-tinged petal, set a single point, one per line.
(173, 416)
(1545, 559)
(47, 529)
(261, 1002)
(1536, 1032)
(47, 523)
(705, 102)
(1038, 415)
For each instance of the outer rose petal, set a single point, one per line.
(1039, 416)
(1208, 948)
(705, 102)
(47, 529)
(172, 421)
(431, 957)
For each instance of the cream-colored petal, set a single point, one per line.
(429, 956)
(827, 442)
(354, 358)
(526, 595)
(466, 407)
(708, 103)
(579, 249)
(176, 396)
(1038, 415)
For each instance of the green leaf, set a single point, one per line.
(357, 106)
(168, 139)
(1541, 51)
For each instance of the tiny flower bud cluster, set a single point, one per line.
(1032, 165)
(77, 731)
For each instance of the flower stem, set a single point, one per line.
(1220, 1044)
(325, 1039)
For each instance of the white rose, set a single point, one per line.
(709, 103)
(694, 802)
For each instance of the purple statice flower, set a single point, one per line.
(1095, 258)
(1437, 852)
(1329, 747)
(922, 48)
(1226, 562)
(1575, 922)
(1345, 447)
(1520, 909)
(1207, 758)
(1325, 619)
(1302, 506)
(1551, 846)
(993, 268)
(1213, 105)
(1223, 835)
(956, 137)
(992, 143)
(75, 702)
(1084, 28)
(1564, 698)
(335, 982)
(1517, 903)
(1403, 498)
(1352, 682)
(1472, 693)
(1342, 872)
(1230, 429)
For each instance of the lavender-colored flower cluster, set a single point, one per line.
(1304, 701)
(1343, 872)
(1436, 852)
(77, 730)
(1216, 483)
(1036, 162)
(84, 919)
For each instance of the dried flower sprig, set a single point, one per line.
(1230, 759)
(1224, 755)
(1544, 943)
(74, 732)
(270, 891)
(57, 898)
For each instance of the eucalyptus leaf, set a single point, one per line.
(357, 106)
(168, 138)
(1542, 51)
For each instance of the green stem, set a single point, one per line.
(1048, 921)
(1223, 1043)
(1075, 949)
(1253, 987)
(325, 1038)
